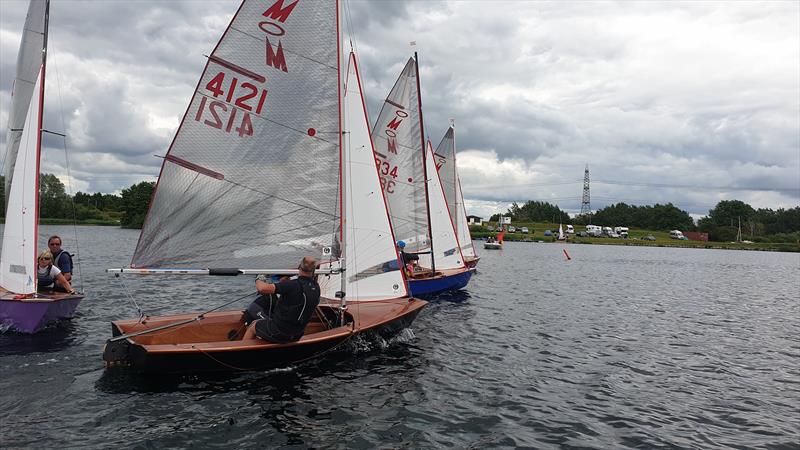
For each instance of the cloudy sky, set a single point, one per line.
(682, 102)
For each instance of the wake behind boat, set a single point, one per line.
(236, 167)
(22, 307)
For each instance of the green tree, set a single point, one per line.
(535, 211)
(135, 201)
(729, 212)
(53, 200)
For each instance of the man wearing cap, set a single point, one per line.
(410, 260)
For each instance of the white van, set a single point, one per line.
(594, 230)
(570, 229)
(675, 234)
(621, 231)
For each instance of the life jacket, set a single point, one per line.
(45, 280)
(292, 315)
(57, 259)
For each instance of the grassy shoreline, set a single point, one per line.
(635, 240)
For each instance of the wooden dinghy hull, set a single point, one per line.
(29, 315)
(446, 280)
(492, 246)
(203, 345)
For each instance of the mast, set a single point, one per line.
(342, 176)
(39, 127)
(455, 181)
(424, 164)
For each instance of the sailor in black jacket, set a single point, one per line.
(298, 298)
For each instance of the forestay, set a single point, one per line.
(251, 178)
(398, 150)
(445, 245)
(373, 272)
(446, 164)
(29, 64)
(18, 260)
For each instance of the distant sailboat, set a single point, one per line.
(561, 235)
(21, 307)
(451, 184)
(494, 243)
(257, 184)
(417, 207)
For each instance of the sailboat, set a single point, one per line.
(270, 118)
(495, 243)
(451, 184)
(561, 235)
(21, 306)
(417, 205)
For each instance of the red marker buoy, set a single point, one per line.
(567, 255)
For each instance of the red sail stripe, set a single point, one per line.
(237, 69)
(194, 167)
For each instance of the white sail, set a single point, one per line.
(250, 179)
(560, 232)
(398, 149)
(373, 272)
(451, 184)
(445, 250)
(29, 64)
(18, 260)
(461, 225)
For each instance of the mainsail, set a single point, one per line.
(29, 64)
(398, 154)
(451, 183)
(251, 178)
(373, 272)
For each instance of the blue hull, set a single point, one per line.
(433, 286)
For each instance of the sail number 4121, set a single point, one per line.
(222, 115)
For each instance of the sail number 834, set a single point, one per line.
(385, 170)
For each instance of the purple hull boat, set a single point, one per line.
(29, 315)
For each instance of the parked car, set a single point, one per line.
(524, 230)
(512, 229)
(548, 233)
(649, 238)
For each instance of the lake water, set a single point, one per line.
(619, 347)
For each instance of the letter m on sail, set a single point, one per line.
(278, 12)
(276, 58)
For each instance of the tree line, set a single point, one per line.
(723, 222)
(128, 209)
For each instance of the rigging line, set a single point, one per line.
(285, 49)
(130, 297)
(171, 327)
(334, 215)
(52, 53)
(259, 116)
